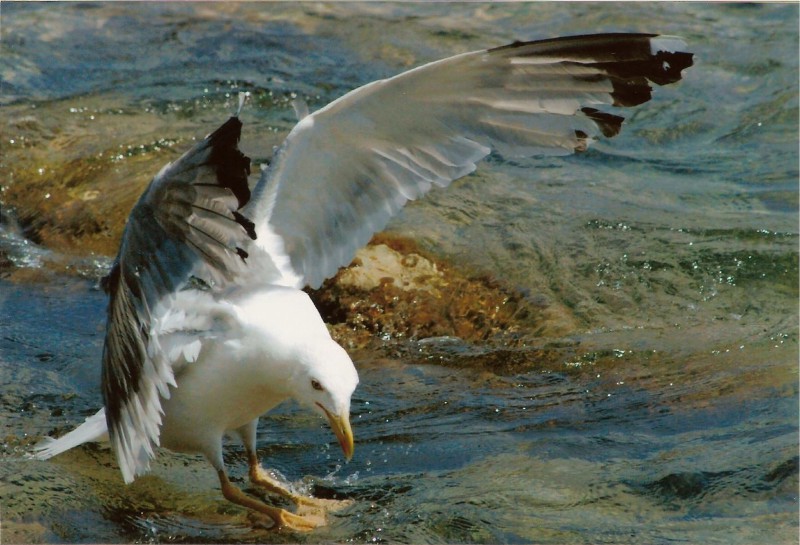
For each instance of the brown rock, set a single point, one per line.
(392, 291)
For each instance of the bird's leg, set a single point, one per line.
(305, 504)
(281, 517)
(259, 476)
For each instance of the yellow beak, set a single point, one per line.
(341, 427)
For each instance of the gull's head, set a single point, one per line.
(297, 352)
(325, 382)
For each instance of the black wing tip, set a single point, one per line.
(232, 166)
(631, 56)
(610, 125)
(247, 224)
(228, 134)
(630, 62)
(673, 64)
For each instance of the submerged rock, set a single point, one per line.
(70, 182)
(393, 291)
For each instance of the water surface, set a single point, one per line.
(662, 407)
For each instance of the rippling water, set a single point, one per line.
(661, 405)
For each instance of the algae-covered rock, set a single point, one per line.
(70, 181)
(393, 291)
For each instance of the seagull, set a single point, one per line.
(208, 326)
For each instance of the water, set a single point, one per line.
(657, 400)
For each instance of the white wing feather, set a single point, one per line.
(346, 169)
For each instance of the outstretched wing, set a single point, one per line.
(186, 225)
(345, 170)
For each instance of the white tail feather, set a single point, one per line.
(93, 429)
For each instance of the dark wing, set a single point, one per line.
(186, 225)
(345, 170)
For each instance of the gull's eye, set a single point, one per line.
(316, 385)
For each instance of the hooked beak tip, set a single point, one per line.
(340, 424)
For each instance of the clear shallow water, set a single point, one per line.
(663, 407)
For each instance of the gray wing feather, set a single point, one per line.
(185, 225)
